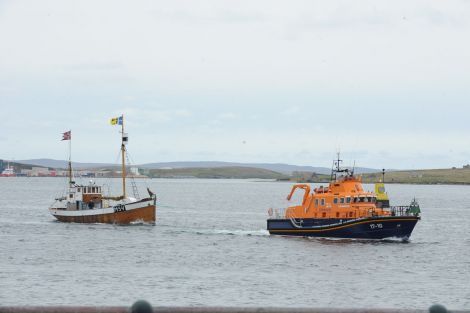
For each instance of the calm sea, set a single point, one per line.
(210, 247)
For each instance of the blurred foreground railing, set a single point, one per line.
(145, 307)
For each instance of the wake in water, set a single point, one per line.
(333, 241)
(261, 232)
(235, 232)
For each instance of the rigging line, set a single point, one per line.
(135, 191)
(108, 180)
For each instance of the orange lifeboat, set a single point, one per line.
(343, 210)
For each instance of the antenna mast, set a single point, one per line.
(70, 160)
(123, 149)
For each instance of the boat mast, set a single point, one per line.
(70, 160)
(123, 148)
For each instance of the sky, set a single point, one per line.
(386, 83)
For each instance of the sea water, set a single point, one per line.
(210, 247)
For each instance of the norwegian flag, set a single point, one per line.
(67, 135)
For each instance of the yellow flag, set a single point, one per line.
(113, 121)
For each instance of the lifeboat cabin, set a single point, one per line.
(343, 199)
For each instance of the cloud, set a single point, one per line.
(383, 80)
(104, 66)
(228, 116)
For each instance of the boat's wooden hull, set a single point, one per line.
(366, 228)
(143, 212)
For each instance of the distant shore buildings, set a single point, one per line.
(24, 170)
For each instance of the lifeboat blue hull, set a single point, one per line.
(365, 228)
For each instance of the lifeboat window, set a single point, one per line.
(316, 201)
(348, 199)
(341, 200)
(361, 199)
(374, 199)
(322, 201)
(323, 214)
(335, 200)
(350, 214)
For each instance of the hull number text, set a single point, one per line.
(376, 226)
(119, 208)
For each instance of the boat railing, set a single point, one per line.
(276, 213)
(401, 210)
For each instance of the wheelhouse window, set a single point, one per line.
(335, 200)
(341, 200)
(322, 201)
(348, 199)
(316, 202)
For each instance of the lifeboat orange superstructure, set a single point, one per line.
(343, 198)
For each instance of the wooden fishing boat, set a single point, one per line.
(344, 210)
(87, 203)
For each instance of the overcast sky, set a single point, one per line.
(386, 82)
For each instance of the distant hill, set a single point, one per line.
(63, 163)
(18, 166)
(286, 169)
(216, 172)
(437, 176)
(214, 169)
(276, 167)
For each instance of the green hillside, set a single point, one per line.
(459, 176)
(436, 176)
(217, 172)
